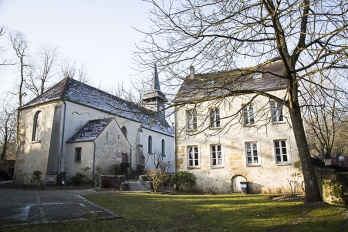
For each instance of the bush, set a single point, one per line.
(183, 178)
(77, 179)
(156, 176)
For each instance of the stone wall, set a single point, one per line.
(332, 185)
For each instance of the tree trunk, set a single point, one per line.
(311, 184)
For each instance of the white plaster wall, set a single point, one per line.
(32, 155)
(157, 148)
(77, 116)
(72, 166)
(267, 176)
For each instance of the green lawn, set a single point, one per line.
(149, 212)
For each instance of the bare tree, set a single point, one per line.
(42, 69)
(323, 115)
(308, 37)
(3, 61)
(7, 132)
(20, 45)
(69, 69)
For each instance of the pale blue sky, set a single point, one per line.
(97, 33)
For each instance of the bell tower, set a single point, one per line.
(154, 99)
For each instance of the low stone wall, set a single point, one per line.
(332, 185)
(115, 182)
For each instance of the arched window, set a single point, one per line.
(163, 148)
(124, 131)
(37, 126)
(149, 144)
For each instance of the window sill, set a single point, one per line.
(279, 122)
(37, 141)
(191, 130)
(77, 161)
(214, 128)
(283, 164)
(247, 126)
(217, 167)
(193, 167)
(253, 165)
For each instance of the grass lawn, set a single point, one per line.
(149, 212)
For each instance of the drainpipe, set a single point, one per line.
(130, 158)
(93, 159)
(62, 141)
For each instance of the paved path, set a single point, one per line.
(44, 206)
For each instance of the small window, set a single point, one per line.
(277, 112)
(36, 136)
(252, 154)
(149, 144)
(78, 154)
(163, 153)
(124, 131)
(191, 116)
(248, 115)
(193, 156)
(215, 118)
(216, 155)
(281, 152)
(107, 135)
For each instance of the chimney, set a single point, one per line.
(192, 72)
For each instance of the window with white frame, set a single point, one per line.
(193, 156)
(215, 118)
(78, 154)
(276, 112)
(216, 155)
(191, 116)
(248, 115)
(281, 151)
(252, 153)
(36, 135)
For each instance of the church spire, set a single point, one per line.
(154, 99)
(156, 84)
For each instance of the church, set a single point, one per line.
(73, 126)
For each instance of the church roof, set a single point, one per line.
(91, 130)
(74, 91)
(232, 82)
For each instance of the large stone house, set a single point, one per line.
(73, 126)
(226, 139)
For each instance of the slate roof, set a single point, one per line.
(74, 91)
(91, 130)
(232, 82)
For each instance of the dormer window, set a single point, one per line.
(257, 76)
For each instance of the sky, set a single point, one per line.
(98, 34)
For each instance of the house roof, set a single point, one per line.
(232, 82)
(91, 130)
(74, 91)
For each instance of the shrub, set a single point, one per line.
(77, 179)
(183, 178)
(117, 169)
(124, 167)
(156, 176)
(37, 178)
